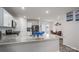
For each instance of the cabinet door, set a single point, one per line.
(1, 17)
(7, 19)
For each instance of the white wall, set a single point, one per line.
(46, 26)
(33, 22)
(70, 32)
(22, 27)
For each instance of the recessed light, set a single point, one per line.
(46, 11)
(39, 18)
(58, 17)
(24, 16)
(23, 8)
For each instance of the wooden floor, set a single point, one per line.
(36, 46)
(45, 46)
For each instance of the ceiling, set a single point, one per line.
(39, 12)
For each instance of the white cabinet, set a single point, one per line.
(5, 18)
(1, 17)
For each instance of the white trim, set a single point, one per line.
(72, 47)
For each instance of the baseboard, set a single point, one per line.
(72, 47)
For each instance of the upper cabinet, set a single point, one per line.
(1, 17)
(5, 18)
